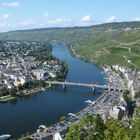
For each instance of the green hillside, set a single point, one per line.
(112, 47)
(109, 43)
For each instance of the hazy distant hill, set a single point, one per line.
(64, 34)
(109, 43)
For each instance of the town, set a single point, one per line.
(69, 70)
(24, 65)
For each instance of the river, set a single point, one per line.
(47, 107)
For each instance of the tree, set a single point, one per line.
(74, 133)
(94, 128)
(4, 91)
(136, 125)
(13, 91)
(115, 130)
(42, 83)
(126, 95)
(89, 127)
(20, 87)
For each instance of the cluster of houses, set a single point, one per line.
(132, 79)
(132, 83)
(18, 67)
(120, 110)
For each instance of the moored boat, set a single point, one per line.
(5, 137)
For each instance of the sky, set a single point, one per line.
(29, 14)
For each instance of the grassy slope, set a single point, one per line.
(95, 43)
(111, 47)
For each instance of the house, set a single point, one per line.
(10, 86)
(57, 136)
(117, 112)
(19, 80)
(40, 74)
(52, 74)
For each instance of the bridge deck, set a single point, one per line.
(82, 84)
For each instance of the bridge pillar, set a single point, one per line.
(93, 89)
(64, 86)
(50, 85)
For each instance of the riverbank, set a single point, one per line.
(47, 108)
(74, 54)
(36, 67)
(21, 91)
(105, 68)
(101, 106)
(8, 98)
(62, 125)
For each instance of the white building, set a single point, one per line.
(19, 80)
(52, 74)
(57, 137)
(131, 79)
(117, 112)
(40, 74)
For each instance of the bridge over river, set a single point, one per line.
(92, 85)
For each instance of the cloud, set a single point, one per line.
(87, 19)
(59, 22)
(12, 4)
(3, 25)
(45, 15)
(4, 16)
(136, 19)
(30, 22)
(111, 19)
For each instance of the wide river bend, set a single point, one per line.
(47, 107)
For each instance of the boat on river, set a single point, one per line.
(5, 137)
